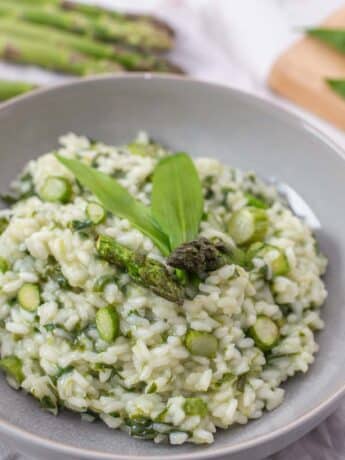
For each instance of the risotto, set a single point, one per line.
(97, 318)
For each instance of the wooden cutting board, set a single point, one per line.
(299, 73)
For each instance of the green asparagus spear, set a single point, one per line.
(143, 270)
(45, 34)
(141, 35)
(202, 255)
(10, 88)
(97, 12)
(22, 51)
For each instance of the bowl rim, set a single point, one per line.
(288, 116)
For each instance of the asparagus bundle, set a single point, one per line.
(139, 34)
(94, 11)
(130, 60)
(10, 88)
(50, 57)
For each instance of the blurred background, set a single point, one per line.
(291, 52)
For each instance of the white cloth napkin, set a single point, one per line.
(235, 42)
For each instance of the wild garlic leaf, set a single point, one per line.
(332, 37)
(338, 86)
(177, 199)
(116, 199)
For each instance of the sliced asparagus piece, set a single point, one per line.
(143, 270)
(107, 322)
(278, 261)
(201, 343)
(29, 296)
(56, 189)
(11, 88)
(265, 333)
(95, 212)
(22, 51)
(12, 365)
(248, 225)
(102, 281)
(138, 34)
(195, 406)
(45, 34)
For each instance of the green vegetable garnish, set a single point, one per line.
(248, 225)
(117, 200)
(201, 343)
(29, 296)
(279, 265)
(12, 365)
(102, 281)
(107, 322)
(56, 189)
(177, 199)
(265, 333)
(195, 406)
(95, 212)
(3, 265)
(256, 202)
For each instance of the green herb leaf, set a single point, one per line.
(117, 200)
(177, 200)
(338, 86)
(332, 37)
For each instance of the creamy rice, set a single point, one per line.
(141, 382)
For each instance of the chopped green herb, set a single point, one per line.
(255, 201)
(47, 403)
(3, 224)
(141, 427)
(63, 371)
(3, 265)
(54, 272)
(152, 388)
(78, 225)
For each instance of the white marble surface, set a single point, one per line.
(234, 42)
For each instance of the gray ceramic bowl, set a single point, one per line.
(202, 119)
